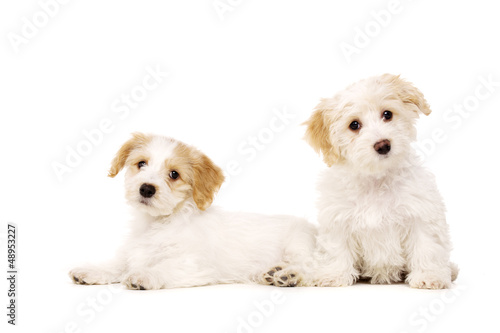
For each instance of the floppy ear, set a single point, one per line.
(408, 93)
(318, 135)
(137, 140)
(207, 179)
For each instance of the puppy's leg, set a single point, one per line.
(383, 255)
(334, 260)
(297, 265)
(170, 273)
(144, 279)
(106, 273)
(428, 258)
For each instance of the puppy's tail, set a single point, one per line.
(454, 271)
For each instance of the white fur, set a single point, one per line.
(175, 244)
(381, 216)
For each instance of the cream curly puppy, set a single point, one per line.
(179, 240)
(380, 213)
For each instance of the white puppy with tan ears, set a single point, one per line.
(178, 240)
(381, 216)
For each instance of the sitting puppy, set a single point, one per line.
(381, 216)
(177, 240)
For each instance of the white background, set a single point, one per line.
(227, 73)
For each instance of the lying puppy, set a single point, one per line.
(177, 240)
(381, 216)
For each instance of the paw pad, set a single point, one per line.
(280, 277)
(136, 286)
(79, 280)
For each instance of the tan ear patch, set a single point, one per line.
(138, 140)
(207, 179)
(318, 136)
(408, 93)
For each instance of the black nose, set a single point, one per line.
(147, 190)
(382, 147)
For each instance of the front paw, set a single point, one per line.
(429, 280)
(337, 280)
(385, 274)
(142, 281)
(84, 275)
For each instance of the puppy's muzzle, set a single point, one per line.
(382, 147)
(147, 190)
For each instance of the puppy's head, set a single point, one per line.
(163, 173)
(369, 125)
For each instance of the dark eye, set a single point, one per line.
(141, 164)
(355, 125)
(387, 115)
(174, 174)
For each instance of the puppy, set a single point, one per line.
(381, 216)
(178, 240)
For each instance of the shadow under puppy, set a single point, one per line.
(380, 213)
(178, 240)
